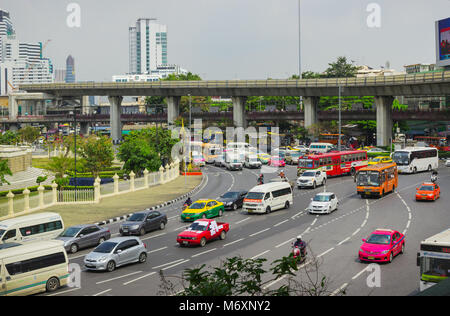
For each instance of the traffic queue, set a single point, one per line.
(34, 248)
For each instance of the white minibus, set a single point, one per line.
(320, 147)
(414, 159)
(33, 267)
(42, 226)
(268, 197)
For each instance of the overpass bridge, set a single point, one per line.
(384, 89)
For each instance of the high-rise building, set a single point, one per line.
(148, 46)
(6, 27)
(70, 69)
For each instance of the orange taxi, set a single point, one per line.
(428, 191)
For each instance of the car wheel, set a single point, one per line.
(268, 210)
(203, 242)
(52, 284)
(234, 206)
(101, 240)
(142, 257)
(223, 235)
(162, 226)
(314, 185)
(324, 181)
(111, 266)
(391, 257)
(220, 213)
(429, 167)
(415, 170)
(74, 248)
(287, 205)
(403, 249)
(142, 231)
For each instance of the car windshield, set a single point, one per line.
(401, 158)
(230, 195)
(139, 217)
(106, 247)
(376, 159)
(2, 232)
(197, 206)
(379, 239)
(255, 195)
(426, 188)
(70, 232)
(322, 198)
(200, 226)
(368, 178)
(308, 174)
(306, 163)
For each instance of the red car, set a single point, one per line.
(428, 191)
(277, 162)
(382, 246)
(202, 231)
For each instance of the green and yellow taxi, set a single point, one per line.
(264, 158)
(202, 209)
(380, 159)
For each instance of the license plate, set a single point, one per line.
(90, 266)
(125, 229)
(188, 217)
(371, 258)
(185, 243)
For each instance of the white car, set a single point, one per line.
(447, 163)
(323, 203)
(312, 178)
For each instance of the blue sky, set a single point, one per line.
(234, 39)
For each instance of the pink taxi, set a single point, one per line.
(382, 246)
(276, 161)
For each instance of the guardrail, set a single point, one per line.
(418, 78)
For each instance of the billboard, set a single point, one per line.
(443, 42)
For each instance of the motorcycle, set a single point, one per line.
(434, 178)
(185, 206)
(297, 253)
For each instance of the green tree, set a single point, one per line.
(29, 134)
(9, 138)
(138, 155)
(4, 171)
(97, 152)
(341, 69)
(59, 165)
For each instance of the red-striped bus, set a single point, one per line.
(334, 163)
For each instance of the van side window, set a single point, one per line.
(40, 228)
(35, 263)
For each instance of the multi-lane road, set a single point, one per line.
(333, 239)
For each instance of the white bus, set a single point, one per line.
(320, 147)
(434, 259)
(42, 226)
(268, 197)
(415, 159)
(32, 268)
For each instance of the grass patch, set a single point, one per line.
(41, 163)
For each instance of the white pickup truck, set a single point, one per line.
(312, 178)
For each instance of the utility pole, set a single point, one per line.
(340, 122)
(299, 53)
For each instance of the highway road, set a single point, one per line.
(333, 239)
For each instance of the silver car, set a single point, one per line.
(116, 252)
(83, 236)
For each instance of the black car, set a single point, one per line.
(142, 222)
(233, 200)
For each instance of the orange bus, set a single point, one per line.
(377, 180)
(331, 138)
(438, 142)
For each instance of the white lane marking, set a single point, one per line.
(76, 257)
(98, 294)
(324, 253)
(346, 239)
(339, 289)
(284, 243)
(64, 292)
(152, 251)
(281, 223)
(176, 264)
(202, 253)
(298, 214)
(233, 242)
(409, 213)
(273, 282)
(241, 221)
(153, 236)
(260, 232)
(179, 228)
(358, 274)
(262, 253)
(356, 231)
(165, 264)
(144, 276)
(119, 277)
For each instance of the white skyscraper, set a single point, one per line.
(148, 46)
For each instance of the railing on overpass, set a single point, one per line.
(418, 78)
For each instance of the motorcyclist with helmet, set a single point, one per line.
(434, 176)
(301, 245)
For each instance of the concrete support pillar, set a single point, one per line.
(26, 199)
(10, 197)
(116, 124)
(85, 105)
(310, 105)
(41, 195)
(84, 128)
(384, 120)
(54, 193)
(132, 186)
(239, 117)
(173, 110)
(13, 107)
(146, 178)
(116, 183)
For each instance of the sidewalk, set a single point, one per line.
(24, 179)
(126, 203)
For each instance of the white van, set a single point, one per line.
(268, 197)
(320, 147)
(234, 160)
(42, 226)
(33, 267)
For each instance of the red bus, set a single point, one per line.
(334, 163)
(438, 142)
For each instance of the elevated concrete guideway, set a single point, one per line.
(382, 88)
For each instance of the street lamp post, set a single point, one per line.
(75, 146)
(340, 122)
(299, 53)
